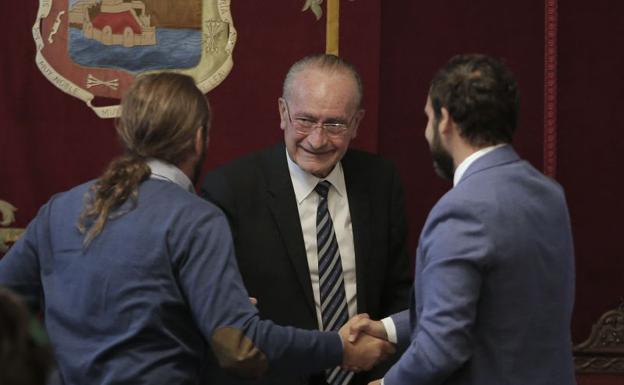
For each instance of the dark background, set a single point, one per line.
(50, 141)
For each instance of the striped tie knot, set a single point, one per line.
(322, 188)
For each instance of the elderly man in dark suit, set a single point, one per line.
(319, 228)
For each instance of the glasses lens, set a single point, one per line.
(305, 126)
(335, 128)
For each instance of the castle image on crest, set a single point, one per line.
(135, 35)
(114, 22)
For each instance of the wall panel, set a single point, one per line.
(417, 38)
(591, 141)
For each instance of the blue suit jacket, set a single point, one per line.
(142, 303)
(494, 285)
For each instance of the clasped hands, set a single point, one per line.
(365, 343)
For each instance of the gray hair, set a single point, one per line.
(325, 62)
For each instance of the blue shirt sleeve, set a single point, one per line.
(210, 280)
(19, 268)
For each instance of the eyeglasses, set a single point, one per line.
(305, 125)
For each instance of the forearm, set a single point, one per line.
(261, 346)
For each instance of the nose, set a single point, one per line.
(317, 137)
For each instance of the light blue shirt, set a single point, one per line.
(166, 171)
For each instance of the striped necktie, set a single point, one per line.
(334, 312)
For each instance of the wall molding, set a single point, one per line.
(550, 87)
(603, 351)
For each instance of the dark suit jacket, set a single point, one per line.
(494, 283)
(257, 195)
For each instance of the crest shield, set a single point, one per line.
(95, 48)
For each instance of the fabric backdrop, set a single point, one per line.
(50, 141)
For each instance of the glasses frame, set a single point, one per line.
(332, 129)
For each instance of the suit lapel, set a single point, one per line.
(360, 211)
(283, 206)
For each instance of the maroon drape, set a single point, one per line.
(50, 141)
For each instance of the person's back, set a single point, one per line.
(522, 327)
(494, 283)
(126, 306)
(137, 275)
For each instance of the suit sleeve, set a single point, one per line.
(453, 249)
(398, 280)
(402, 327)
(243, 344)
(216, 189)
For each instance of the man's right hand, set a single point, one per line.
(361, 323)
(364, 353)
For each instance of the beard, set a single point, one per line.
(197, 169)
(442, 159)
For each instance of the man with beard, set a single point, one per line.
(138, 273)
(494, 279)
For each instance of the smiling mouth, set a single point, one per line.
(316, 153)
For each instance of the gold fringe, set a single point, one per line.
(333, 26)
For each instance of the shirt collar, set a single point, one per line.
(463, 166)
(304, 182)
(166, 171)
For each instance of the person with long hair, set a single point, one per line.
(137, 275)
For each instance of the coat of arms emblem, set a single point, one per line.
(93, 49)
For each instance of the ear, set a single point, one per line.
(281, 106)
(200, 141)
(446, 122)
(356, 122)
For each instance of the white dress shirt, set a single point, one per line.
(166, 171)
(338, 206)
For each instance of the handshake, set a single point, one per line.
(365, 343)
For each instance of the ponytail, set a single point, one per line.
(119, 183)
(160, 115)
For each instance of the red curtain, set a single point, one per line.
(50, 141)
